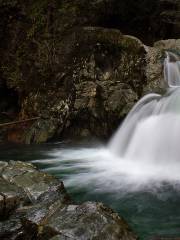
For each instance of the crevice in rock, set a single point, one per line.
(9, 102)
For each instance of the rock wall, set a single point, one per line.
(68, 64)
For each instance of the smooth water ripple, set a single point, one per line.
(137, 173)
(149, 203)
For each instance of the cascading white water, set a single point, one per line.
(172, 70)
(151, 131)
(138, 173)
(143, 153)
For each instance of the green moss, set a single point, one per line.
(37, 14)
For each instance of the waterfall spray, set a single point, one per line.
(138, 172)
(143, 153)
(151, 131)
(172, 70)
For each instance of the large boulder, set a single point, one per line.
(108, 73)
(37, 186)
(35, 205)
(64, 62)
(100, 77)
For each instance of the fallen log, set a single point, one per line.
(18, 122)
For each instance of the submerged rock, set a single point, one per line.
(49, 213)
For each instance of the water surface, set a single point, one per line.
(148, 203)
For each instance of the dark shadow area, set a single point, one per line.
(9, 102)
(149, 20)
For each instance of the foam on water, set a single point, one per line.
(144, 152)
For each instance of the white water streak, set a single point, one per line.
(145, 150)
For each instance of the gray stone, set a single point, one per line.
(2, 166)
(11, 196)
(16, 168)
(35, 205)
(40, 186)
(89, 221)
(12, 230)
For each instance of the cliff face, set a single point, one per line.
(63, 62)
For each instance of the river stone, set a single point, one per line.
(40, 186)
(11, 230)
(16, 168)
(2, 166)
(32, 218)
(88, 221)
(11, 196)
(35, 205)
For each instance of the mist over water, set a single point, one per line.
(149, 137)
(136, 173)
(144, 153)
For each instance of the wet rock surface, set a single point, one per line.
(35, 205)
(69, 63)
(154, 68)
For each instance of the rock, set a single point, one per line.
(107, 74)
(2, 166)
(37, 185)
(60, 237)
(86, 221)
(99, 79)
(16, 168)
(11, 196)
(49, 213)
(154, 68)
(89, 221)
(69, 64)
(34, 218)
(168, 44)
(12, 230)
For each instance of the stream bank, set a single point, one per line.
(35, 205)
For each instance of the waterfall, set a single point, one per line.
(172, 70)
(151, 131)
(143, 154)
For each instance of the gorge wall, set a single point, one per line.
(72, 64)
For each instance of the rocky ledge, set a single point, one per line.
(75, 67)
(35, 205)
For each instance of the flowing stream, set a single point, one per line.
(137, 174)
